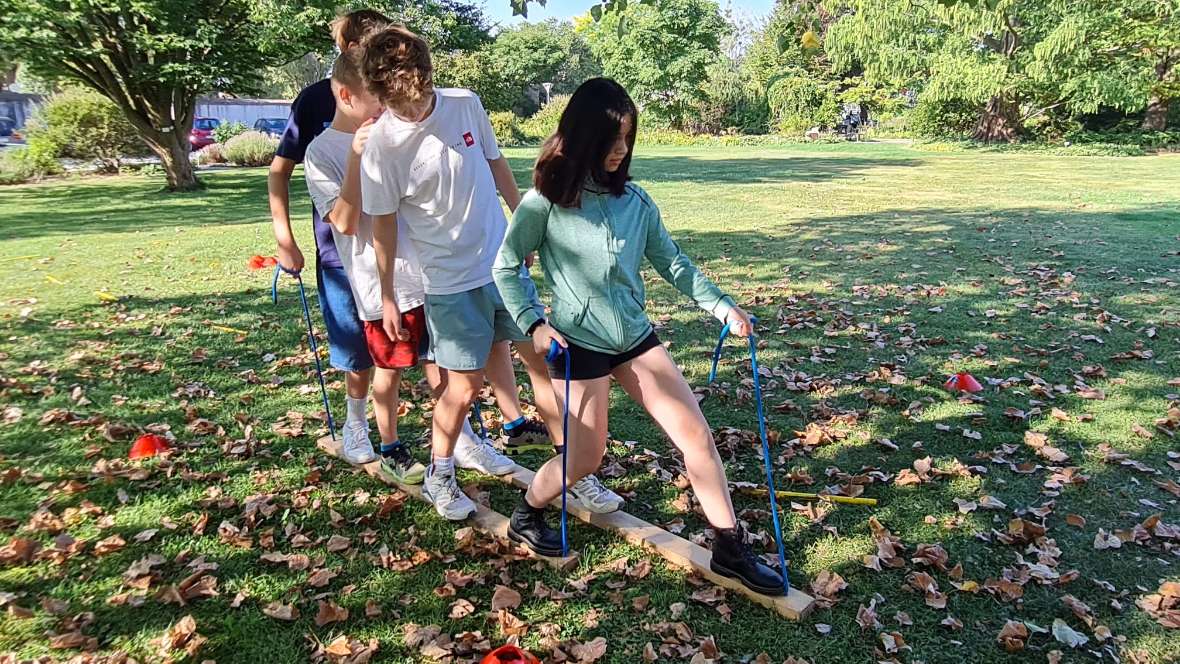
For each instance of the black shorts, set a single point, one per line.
(586, 364)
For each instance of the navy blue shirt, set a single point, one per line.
(311, 112)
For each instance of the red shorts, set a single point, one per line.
(390, 354)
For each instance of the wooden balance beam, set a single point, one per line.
(486, 520)
(673, 548)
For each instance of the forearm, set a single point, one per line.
(346, 213)
(505, 182)
(278, 192)
(385, 246)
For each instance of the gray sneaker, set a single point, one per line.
(448, 499)
(591, 493)
(476, 454)
(357, 448)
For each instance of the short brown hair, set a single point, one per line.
(397, 66)
(347, 69)
(354, 26)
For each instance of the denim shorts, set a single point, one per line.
(347, 348)
(463, 327)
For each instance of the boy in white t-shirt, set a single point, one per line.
(433, 165)
(332, 170)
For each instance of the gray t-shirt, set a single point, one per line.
(325, 167)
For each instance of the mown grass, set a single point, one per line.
(854, 257)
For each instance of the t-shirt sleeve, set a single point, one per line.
(296, 135)
(487, 135)
(380, 188)
(323, 181)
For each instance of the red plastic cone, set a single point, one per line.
(963, 382)
(256, 262)
(509, 654)
(148, 445)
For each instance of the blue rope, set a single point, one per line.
(778, 531)
(556, 351)
(319, 369)
(483, 430)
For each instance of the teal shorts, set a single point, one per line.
(463, 327)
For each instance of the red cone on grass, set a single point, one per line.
(259, 262)
(148, 445)
(963, 382)
(509, 654)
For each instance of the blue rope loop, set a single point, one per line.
(315, 352)
(555, 352)
(778, 531)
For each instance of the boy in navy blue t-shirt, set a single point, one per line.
(311, 112)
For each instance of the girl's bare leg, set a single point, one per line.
(587, 440)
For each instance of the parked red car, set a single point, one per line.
(203, 132)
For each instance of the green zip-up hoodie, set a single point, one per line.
(591, 256)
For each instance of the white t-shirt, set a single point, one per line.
(325, 166)
(434, 176)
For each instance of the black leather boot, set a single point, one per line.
(733, 558)
(528, 527)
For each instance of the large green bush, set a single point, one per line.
(227, 130)
(82, 124)
(544, 122)
(19, 165)
(507, 128)
(799, 101)
(943, 119)
(252, 148)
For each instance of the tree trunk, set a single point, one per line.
(1156, 118)
(999, 122)
(178, 168)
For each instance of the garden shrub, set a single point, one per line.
(943, 118)
(79, 123)
(227, 130)
(214, 153)
(251, 148)
(19, 165)
(544, 122)
(507, 128)
(799, 101)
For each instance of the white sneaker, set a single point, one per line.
(478, 454)
(357, 449)
(448, 499)
(594, 496)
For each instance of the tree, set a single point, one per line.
(1123, 54)
(152, 58)
(980, 53)
(663, 54)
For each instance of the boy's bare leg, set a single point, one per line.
(356, 383)
(503, 380)
(436, 378)
(544, 390)
(385, 403)
(451, 410)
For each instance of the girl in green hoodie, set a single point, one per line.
(593, 229)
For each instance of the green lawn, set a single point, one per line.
(875, 270)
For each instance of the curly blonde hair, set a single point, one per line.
(351, 28)
(396, 66)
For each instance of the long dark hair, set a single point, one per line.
(576, 151)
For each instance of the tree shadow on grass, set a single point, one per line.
(832, 262)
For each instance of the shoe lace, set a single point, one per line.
(591, 487)
(533, 426)
(451, 487)
(361, 439)
(744, 549)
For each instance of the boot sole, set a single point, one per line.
(773, 591)
(548, 553)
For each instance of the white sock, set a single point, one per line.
(467, 435)
(443, 465)
(356, 409)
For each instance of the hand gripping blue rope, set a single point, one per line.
(556, 351)
(319, 369)
(778, 531)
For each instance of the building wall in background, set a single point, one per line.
(245, 111)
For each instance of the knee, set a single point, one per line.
(461, 395)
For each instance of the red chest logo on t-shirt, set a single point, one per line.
(468, 139)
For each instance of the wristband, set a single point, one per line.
(532, 328)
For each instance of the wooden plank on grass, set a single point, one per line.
(675, 549)
(486, 520)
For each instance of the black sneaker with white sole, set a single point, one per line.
(528, 436)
